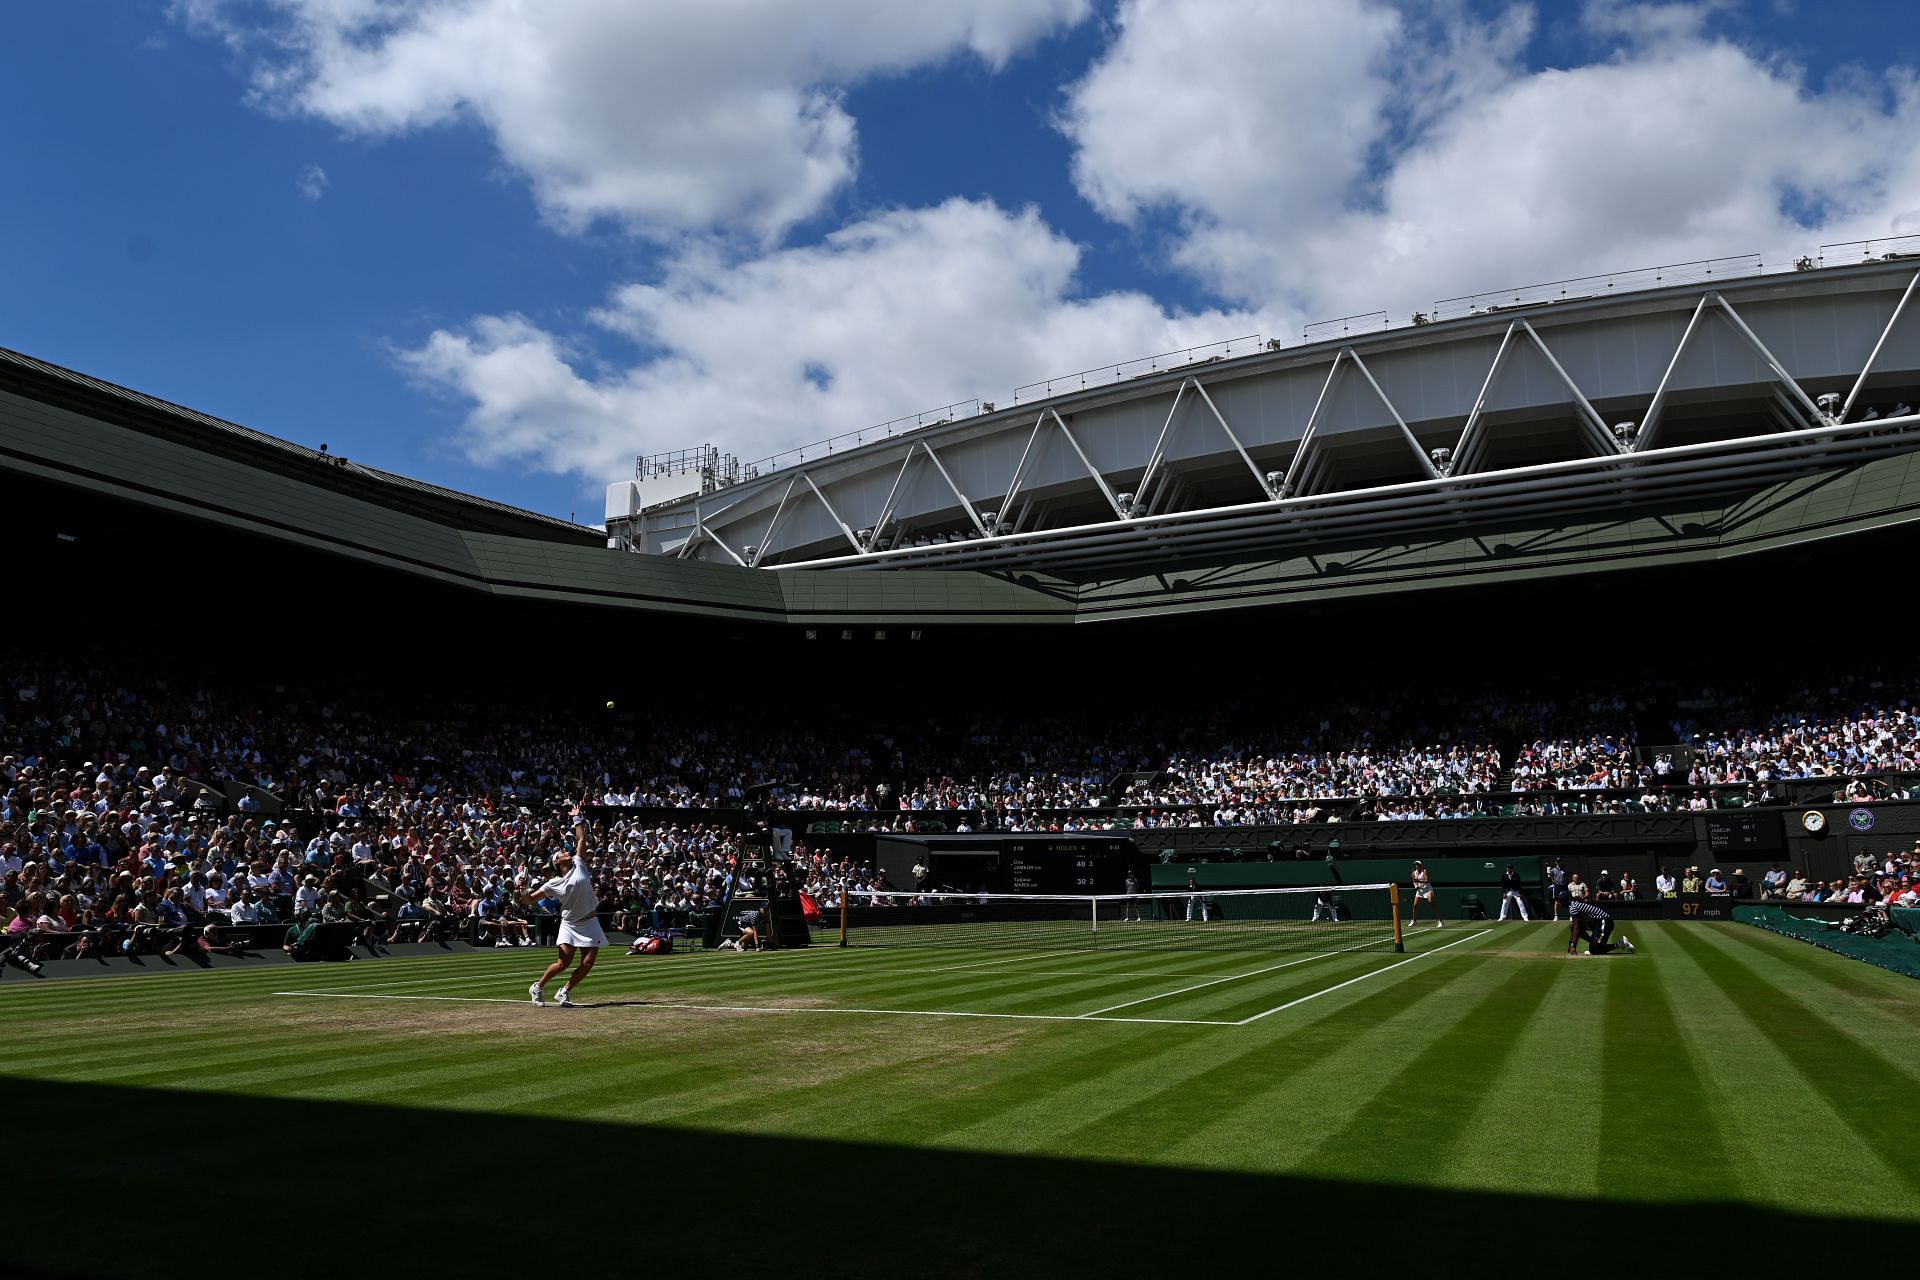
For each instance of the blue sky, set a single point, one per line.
(1017, 189)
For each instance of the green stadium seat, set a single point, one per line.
(1471, 908)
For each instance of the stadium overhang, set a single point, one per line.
(73, 443)
(1535, 409)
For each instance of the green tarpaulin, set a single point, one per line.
(1896, 951)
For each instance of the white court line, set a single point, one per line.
(1030, 955)
(264, 970)
(1092, 951)
(1232, 977)
(700, 961)
(1362, 978)
(750, 1008)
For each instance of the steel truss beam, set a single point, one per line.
(1308, 474)
(965, 506)
(766, 539)
(1650, 424)
(1571, 486)
(1161, 489)
(1867, 368)
(1105, 488)
(1467, 450)
(830, 511)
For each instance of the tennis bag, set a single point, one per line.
(653, 943)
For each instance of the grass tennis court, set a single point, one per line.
(1476, 1102)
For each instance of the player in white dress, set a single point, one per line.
(1423, 892)
(580, 931)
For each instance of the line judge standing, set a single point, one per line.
(580, 931)
(1512, 894)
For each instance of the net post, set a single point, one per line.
(843, 913)
(1095, 901)
(1393, 897)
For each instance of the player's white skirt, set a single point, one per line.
(583, 933)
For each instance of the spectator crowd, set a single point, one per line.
(140, 811)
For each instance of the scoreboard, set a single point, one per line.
(1036, 864)
(1053, 866)
(1745, 831)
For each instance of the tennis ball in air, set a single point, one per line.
(609, 704)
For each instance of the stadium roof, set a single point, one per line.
(136, 411)
(1591, 400)
(62, 433)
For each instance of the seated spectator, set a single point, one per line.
(1773, 885)
(409, 922)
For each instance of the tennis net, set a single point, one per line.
(1313, 918)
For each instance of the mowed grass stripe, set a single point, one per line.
(77, 1057)
(748, 1087)
(1263, 995)
(1263, 1060)
(604, 1080)
(780, 1079)
(848, 1088)
(1074, 1083)
(1893, 1039)
(244, 1069)
(1418, 1119)
(1522, 1137)
(1000, 989)
(749, 978)
(1283, 1124)
(430, 1077)
(1873, 995)
(1790, 1147)
(1863, 1087)
(1650, 1091)
(1170, 997)
(190, 984)
(1060, 1077)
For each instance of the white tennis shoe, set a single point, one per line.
(564, 1000)
(534, 991)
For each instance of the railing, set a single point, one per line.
(716, 470)
(1144, 366)
(1885, 249)
(1323, 330)
(1602, 286)
(865, 435)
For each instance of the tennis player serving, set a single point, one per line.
(580, 932)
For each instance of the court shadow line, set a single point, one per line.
(439, 1191)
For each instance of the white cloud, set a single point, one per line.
(1317, 158)
(1405, 157)
(1259, 112)
(898, 312)
(312, 182)
(663, 115)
